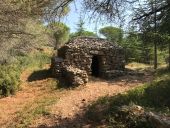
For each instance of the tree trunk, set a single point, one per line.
(155, 56)
(155, 41)
(169, 56)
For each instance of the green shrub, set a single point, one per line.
(10, 74)
(9, 79)
(152, 97)
(34, 60)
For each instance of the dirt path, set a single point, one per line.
(30, 91)
(71, 103)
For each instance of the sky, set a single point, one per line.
(72, 19)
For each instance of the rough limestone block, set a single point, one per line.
(75, 76)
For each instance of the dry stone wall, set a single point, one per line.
(75, 76)
(79, 54)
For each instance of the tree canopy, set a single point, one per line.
(112, 34)
(146, 15)
(81, 31)
(61, 33)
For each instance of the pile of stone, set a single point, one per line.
(75, 76)
(155, 120)
(70, 75)
(158, 121)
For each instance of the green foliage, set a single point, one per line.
(37, 36)
(9, 79)
(136, 48)
(31, 111)
(61, 33)
(10, 74)
(35, 60)
(80, 27)
(154, 23)
(162, 42)
(16, 53)
(165, 24)
(132, 46)
(83, 33)
(112, 34)
(152, 96)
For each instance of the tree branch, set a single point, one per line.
(152, 12)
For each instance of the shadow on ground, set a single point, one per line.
(163, 71)
(39, 75)
(79, 121)
(95, 115)
(102, 112)
(130, 77)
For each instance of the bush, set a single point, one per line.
(152, 97)
(34, 60)
(10, 74)
(9, 80)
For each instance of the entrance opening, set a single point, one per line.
(95, 66)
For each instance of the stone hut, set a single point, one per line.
(87, 56)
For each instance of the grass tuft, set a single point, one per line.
(153, 96)
(10, 74)
(32, 111)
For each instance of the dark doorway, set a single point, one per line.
(95, 66)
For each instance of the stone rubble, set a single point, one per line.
(75, 76)
(156, 120)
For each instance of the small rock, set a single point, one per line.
(83, 100)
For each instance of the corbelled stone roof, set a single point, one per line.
(77, 59)
(91, 42)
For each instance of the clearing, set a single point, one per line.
(40, 104)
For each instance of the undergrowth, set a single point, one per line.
(9, 79)
(32, 111)
(152, 96)
(10, 73)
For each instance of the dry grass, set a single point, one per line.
(138, 66)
